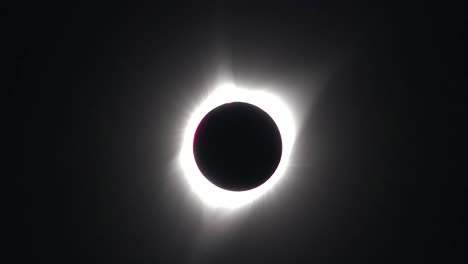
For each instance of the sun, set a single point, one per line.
(211, 194)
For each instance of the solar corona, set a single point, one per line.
(225, 108)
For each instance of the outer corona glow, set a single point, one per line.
(226, 93)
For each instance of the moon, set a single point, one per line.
(237, 146)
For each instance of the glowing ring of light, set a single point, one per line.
(226, 93)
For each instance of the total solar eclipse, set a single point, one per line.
(237, 146)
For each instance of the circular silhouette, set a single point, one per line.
(237, 146)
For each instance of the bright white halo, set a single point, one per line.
(226, 93)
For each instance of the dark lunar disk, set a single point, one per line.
(237, 146)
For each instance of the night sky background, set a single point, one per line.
(102, 92)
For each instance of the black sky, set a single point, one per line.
(102, 92)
